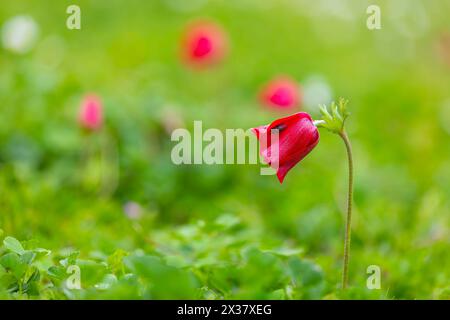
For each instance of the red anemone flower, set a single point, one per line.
(281, 93)
(297, 136)
(90, 115)
(203, 44)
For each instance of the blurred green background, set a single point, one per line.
(141, 227)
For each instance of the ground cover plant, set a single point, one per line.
(92, 207)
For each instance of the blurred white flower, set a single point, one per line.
(316, 91)
(19, 34)
(132, 210)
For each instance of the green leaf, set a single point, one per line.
(166, 282)
(33, 275)
(285, 252)
(11, 262)
(41, 252)
(9, 282)
(56, 273)
(277, 295)
(306, 272)
(228, 221)
(335, 121)
(12, 244)
(27, 257)
(108, 281)
(70, 260)
(115, 261)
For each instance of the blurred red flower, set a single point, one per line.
(297, 136)
(282, 92)
(203, 44)
(90, 115)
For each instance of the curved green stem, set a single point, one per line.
(348, 229)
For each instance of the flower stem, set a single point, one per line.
(348, 230)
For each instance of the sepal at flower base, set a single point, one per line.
(335, 120)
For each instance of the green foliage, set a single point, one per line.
(208, 231)
(335, 121)
(13, 245)
(19, 274)
(219, 262)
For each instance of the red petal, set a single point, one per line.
(297, 137)
(258, 130)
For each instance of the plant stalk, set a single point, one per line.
(348, 229)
